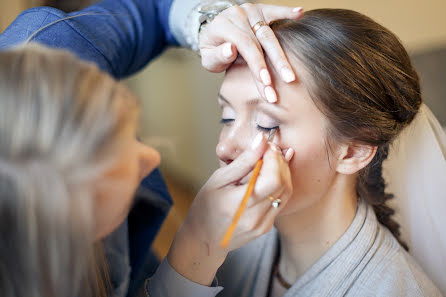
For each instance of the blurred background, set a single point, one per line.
(180, 113)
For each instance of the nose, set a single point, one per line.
(149, 159)
(231, 145)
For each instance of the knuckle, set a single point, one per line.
(265, 33)
(236, 10)
(206, 63)
(218, 22)
(247, 6)
(245, 39)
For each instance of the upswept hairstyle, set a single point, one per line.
(61, 122)
(363, 81)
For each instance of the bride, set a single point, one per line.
(336, 235)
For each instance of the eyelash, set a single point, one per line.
(265, 129)
(226, 121)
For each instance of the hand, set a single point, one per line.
(196, 252)
(231, 32)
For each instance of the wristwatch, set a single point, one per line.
(209, 11)
(202, 14)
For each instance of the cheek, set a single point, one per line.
(311, 171)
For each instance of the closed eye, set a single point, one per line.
(226, 121)
(267, 129)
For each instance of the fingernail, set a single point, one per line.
(270, 95)
(227, 50)
(265, 77)
(289, 154)
(257, 141)
(287, 75)
(298, 9)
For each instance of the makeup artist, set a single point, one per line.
(121, 37)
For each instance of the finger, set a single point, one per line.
(242, 165)
(286, 153)
(255, 19)
(268, 40)
(251, 218)
(289, 154)
(266, 92)
(239, 33)
(275, 53)
(274, 175)
(273, 13)
(257, 221)
(217, 59)
(269, 197)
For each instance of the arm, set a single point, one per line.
(167, 282)
(196, 253)
(120, 36)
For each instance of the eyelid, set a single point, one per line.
(267, 129)
(266, 121)
(226, 121)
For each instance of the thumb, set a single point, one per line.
(243, 164)
(218, 59)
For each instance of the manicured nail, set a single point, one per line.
(270, 95)
(265, 77)
(287, 75)
(298, 9)
(289, 154)
(227, 50)
(257, 141)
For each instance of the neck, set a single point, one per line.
(306, 235)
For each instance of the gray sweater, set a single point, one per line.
(366, 261)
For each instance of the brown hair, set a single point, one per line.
(362, 80)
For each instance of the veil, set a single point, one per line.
(415, 172)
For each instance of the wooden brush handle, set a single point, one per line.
(252, 182)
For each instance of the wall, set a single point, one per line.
(9, 10)
(180, 107)
(180, 113)
(419, 24)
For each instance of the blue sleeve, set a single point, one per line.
(120, 36)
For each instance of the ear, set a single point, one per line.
(354, 157)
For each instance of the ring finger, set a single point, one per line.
(269, 42)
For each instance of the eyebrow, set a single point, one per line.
(252, 102)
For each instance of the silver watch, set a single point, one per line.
(202, 13)
(209, 11)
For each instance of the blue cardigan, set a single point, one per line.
(121, 37)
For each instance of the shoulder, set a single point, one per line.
(394, 272)
(26, 24)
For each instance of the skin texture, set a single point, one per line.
(115, 190)
(323, 202)
(231, 33)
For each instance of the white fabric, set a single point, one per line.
(416, 174)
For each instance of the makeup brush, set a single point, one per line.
(252, 182)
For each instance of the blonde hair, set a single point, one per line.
(61, 122)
